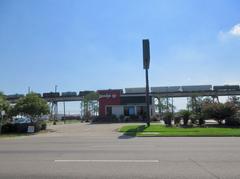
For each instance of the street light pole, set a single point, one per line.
(147, 98)
(146, 63)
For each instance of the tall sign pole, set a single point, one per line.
(146, 63)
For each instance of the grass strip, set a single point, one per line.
(162, 131)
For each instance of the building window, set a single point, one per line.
(109, 110)
(129, 110)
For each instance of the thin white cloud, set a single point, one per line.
(235, 31)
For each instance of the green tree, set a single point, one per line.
(235, 101)
(219, 111)
(207, 100)
(90, 104)
(4, 106)
(32, 106)
(164, 105)
(194, 104)
(167, 118)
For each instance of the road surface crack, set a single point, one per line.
(202, 167)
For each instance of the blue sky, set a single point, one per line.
(92, 44)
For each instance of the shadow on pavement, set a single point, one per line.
(126, 137)
(131, 133)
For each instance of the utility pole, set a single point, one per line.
(55, 108)
(146, 62)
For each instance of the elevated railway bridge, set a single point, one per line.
(156, 92)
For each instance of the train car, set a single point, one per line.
(159, 89)
(173, 89)
(226, 88)
(69, 94)
(135, 90)
(84, 93)
(14, 96)
(166, 89)
(51, 95)
(196, 88)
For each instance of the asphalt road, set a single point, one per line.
(98, 151)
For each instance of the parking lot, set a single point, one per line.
(98, 151)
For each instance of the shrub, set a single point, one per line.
(105, 119)
(155, 117)
(23, 128)
(193, 118)
(185, 115)
(133, 118)
(177, 120)
(40, 125)
(8, 128)
(126, 119)
(44, 126)
(233, 121)
(121, 118)
(219, 111)
(167, 118)
(197, 118)
(201, 120)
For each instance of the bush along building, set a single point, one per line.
(131, 103)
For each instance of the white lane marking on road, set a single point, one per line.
(113, 161)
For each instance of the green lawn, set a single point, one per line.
(162, 131)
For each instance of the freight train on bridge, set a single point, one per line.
(166, 91)
(132, 100)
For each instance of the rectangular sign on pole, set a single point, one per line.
(146, 54)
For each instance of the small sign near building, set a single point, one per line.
(31, 129)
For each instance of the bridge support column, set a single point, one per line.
(81, 109)
(215, 99)
(54, 111)
(64, 112)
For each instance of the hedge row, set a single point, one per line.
(23, 128)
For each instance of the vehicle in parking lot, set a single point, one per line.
(21, 120)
